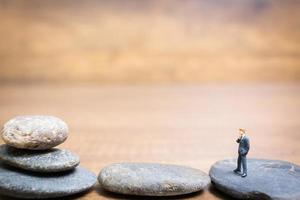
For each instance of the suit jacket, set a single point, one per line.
(244, 145)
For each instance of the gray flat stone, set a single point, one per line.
(35, 132)
(149, 179)
(267, 179)
(24, 184)
(52, 160)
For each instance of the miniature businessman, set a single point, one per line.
(244, 146)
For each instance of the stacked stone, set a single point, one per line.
(31, 168)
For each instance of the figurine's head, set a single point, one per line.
(242, 131)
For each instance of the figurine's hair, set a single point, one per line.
(242, 130)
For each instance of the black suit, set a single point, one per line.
(244, 146)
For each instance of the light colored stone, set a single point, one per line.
(35, 132)
(150, 179)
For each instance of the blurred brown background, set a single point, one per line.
(141, 41)
(228, 64)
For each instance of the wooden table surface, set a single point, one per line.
(188, 125)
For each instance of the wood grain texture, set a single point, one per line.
(188, 125)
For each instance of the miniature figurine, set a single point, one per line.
(244, 146)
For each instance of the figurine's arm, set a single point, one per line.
(246, 147)
(247, 144)
(238, 140)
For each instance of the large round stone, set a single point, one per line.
(152, 179)
(52, 160)
(24, 184)
(35, 132)
(267, 179)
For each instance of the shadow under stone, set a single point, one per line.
(213, 190)
(113, 195)
(222, 195)
(35, 174)
(70, 197)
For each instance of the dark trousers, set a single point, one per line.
(242, 162)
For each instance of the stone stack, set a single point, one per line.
(31, 168)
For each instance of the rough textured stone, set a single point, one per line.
(52, 160)
(267, 179)
(151, 179)
(24, 184)
(35, 132)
